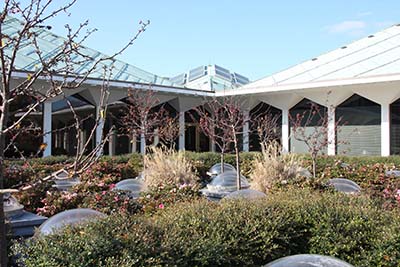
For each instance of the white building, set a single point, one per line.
(360, 83)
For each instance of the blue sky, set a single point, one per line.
(255, 38)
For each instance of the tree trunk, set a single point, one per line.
(3, 232)
(222, 161)
(237, 157)
(314, 167)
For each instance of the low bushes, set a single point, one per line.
(232, 233)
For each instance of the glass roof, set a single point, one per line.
(68, 218)
(377, 54)
(308, 260)
(49, 43)
(211, 78)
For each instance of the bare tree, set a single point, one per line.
(210, 123)
(265, 124)
(58, 71)
(169, 131)
(141, 115)
(312, 128)
(224, 126)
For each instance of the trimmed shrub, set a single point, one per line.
(230, 233)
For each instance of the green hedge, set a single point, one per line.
(237, 233)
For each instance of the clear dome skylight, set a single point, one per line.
(216, 169)
(227, 182)
(133, 186)
(344, 185)
(246, 194)
(308, 260)
(68, 218)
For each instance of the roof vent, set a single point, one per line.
(314, 59)
(370, 36)
(344, 47)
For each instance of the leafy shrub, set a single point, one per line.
(160, 197)
(168, 167)
(231, 233)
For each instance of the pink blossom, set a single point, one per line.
(104, 192)
(116, 199)
(112, 186)
(161, 206)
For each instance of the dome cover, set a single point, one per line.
(12, 208)
(68, 217)
(227, 182)
(246, 194)
(308, 260)
(344, 185)
(216, 169)
(134, 186)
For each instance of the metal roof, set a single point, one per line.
(49, 43)
(375, 55)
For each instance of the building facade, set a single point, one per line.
(358, 83)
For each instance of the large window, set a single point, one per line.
(361, 133)
(395, 128)
(310, 122)
(260, 110)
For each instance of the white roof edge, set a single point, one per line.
(318, 84)
(126, 84)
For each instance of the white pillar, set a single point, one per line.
(111, 144)
(47, 128)
(156, 137)
(66, 146)
(285, 131)
(331, 131)
(212, 146)
(142, 144)
(99, 128)
(134, 142)
(246, 145)
(385, 130)
(181, 130)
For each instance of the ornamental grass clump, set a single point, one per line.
(273, 169)
(168, 167)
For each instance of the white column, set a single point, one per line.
(47, 128)
(156, 137)
(66, 146)
(142, 144)
(331, 131)
(212, 146)
(99, 128)
(246, 145)
(285, 131)
(82, 141)
(385, 130)
(111, 144)
(181, 130)
(134, 143)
